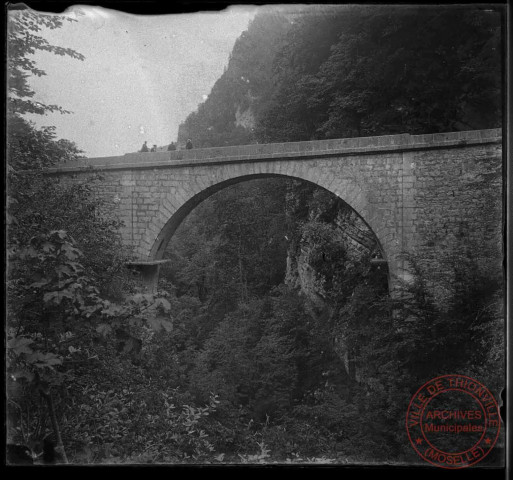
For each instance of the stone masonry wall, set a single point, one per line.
(417, 193)
(457, 198)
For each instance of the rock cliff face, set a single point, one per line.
(331, 233)
(326, 250)
(357, 240)
(245, 118)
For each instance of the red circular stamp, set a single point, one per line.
(453, 421)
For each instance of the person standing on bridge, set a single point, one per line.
(171, 147)
(188, 145)
(144, 147)
(154, 148)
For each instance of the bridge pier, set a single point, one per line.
(148, 272)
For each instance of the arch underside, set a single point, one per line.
(356, 203)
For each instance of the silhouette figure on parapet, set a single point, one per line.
(154, 148)
(188, 145)
(144, 147)
(171, 147)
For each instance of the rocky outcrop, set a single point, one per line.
(244, 118)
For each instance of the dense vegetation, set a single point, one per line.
(334, 72)
(272, 336)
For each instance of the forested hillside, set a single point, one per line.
(325, 327)
(228, 115)
(261, 272)
(335, 72)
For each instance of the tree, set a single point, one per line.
(63, 248)
(372, 80)
(22, 41)
(386, 70)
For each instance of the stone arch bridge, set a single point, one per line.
(418, 193)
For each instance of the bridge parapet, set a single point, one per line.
(290, 150)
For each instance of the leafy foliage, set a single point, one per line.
(23, 41)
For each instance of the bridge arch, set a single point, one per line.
(171, 225)
(178, 202)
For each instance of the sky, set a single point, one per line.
(141, 77)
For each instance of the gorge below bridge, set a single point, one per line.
(419, 194)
